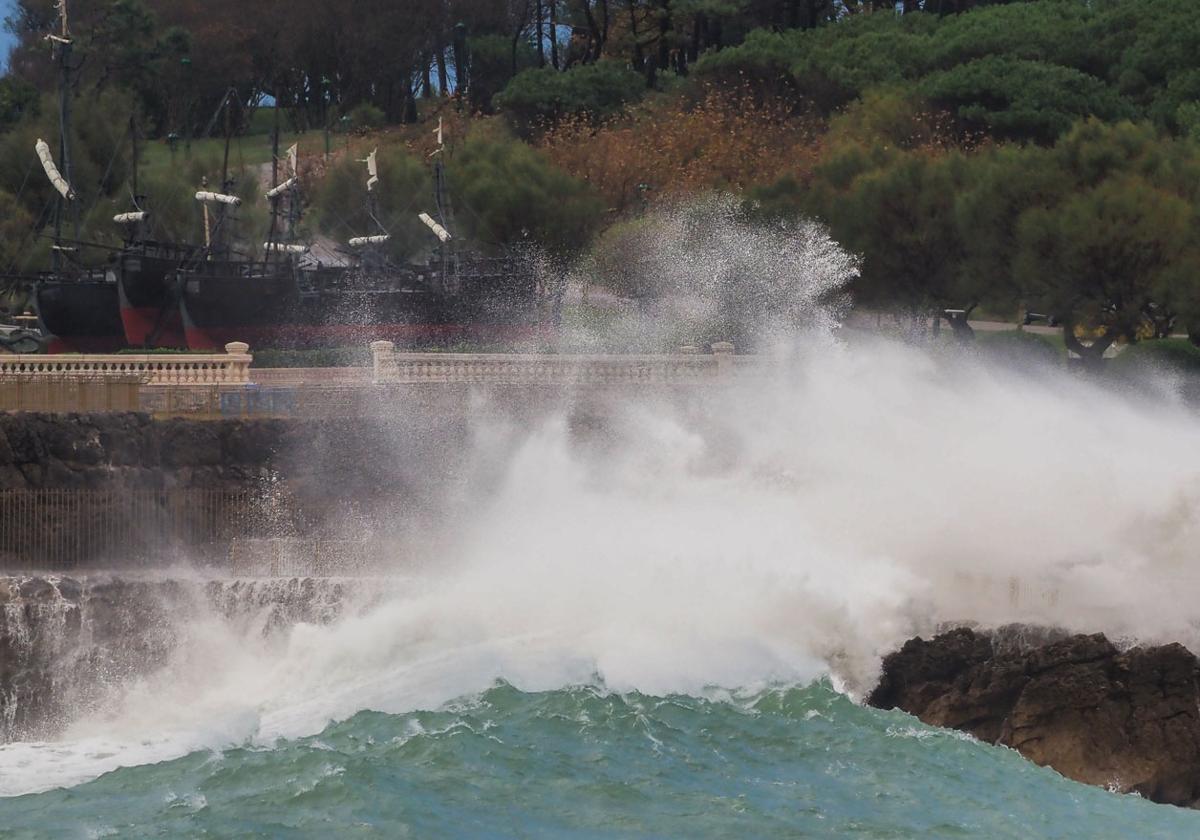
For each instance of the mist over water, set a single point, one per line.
(794, 524)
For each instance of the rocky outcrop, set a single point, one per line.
(67, 644)
(1124, 719)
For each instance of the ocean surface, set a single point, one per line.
(585, 762)
(552, 673)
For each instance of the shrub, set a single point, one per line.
(404, 189)
(538, 97)
(365, 117)
(507, 191)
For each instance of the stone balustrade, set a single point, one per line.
(229, 368)
(685, 368)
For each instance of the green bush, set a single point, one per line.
(365, 117)
(506, 191)
(405, 189)
(538, 97)
(1020, 99)
(318, 357)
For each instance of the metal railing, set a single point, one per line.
(68, 529)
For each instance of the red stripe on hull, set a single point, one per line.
(333, 335)
(139, 323)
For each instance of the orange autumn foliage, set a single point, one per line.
(726, 140)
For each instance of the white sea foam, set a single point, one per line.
(795, 526)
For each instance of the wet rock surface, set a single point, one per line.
(1124, 719)
(67, 644)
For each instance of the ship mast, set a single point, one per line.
(371, 241)
(288, 190)
(61, 41)
(213, 234)
(442, 226)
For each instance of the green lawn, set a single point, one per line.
(253, 150)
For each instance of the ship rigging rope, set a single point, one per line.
(32, 233)
(12, 263)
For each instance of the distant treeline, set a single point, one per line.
(999, 157)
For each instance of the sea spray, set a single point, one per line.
(761, 534)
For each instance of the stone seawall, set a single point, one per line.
(68, 644)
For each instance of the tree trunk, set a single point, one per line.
(554, 33)
(593, 48)
(443, 82)
(604, 21)
(426, 82)
(462, 68)
(664, 30)
(638, 58)
(410, 101)
(539, 35)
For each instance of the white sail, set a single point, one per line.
(282, 188)
(293, 154)
(285, 247)
(372, 170)
(130, 218)
(438, 231)
(377, 239)
(441, 146)
(56, 178)
(218, 198)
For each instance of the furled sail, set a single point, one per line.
(285, 247)
(56, 178)
(130, 218)
(292, 154)
(439, 231)
(377, 239)
(218, 198)
(282, 188)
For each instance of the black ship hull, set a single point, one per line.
(80, 315)
(276, 306)
(150, 314)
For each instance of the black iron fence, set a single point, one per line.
(68, 529)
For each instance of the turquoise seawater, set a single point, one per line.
(585, 763)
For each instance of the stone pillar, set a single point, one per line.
(239, 366)
(383, 357)
(723, 352)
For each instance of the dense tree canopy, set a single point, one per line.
(1023, 155)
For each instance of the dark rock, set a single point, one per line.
(191, 444)
(37, 589)
(11, 478)
(70, 589)
(6, 452)
(1126, 720)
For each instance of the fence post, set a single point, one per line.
(239, 368)
(723, 351)
(383, 360)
